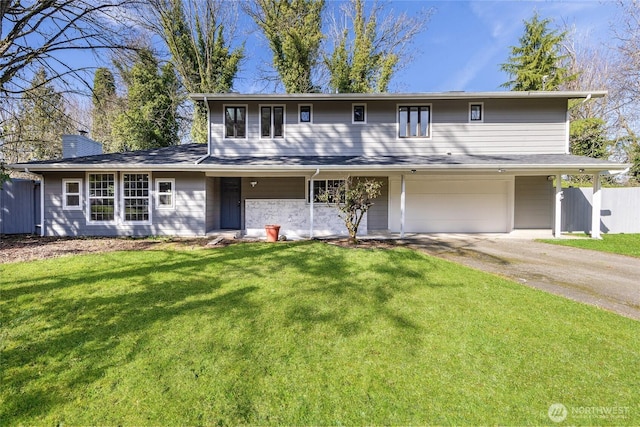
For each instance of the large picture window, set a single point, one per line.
(272, 122)
(102, 196)
(235, 122)
(135, 196)
(72, 194)
(414, 121)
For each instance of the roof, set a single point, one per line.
(232, 96)
(193, 157)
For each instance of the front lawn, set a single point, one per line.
(623, 244)
(302, 334)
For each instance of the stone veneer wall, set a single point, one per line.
(293, 217)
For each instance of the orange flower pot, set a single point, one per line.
(272, 232)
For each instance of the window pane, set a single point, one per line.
(164, 187)
(358, 113)
(240, 122)
(414, 121)
(424, 121)
(265, 121)
(305, 114)
(278, 121)
(403, 121)
(73, 200)
(165, 200)
(476, 112)
(229, 120)
(73, 187)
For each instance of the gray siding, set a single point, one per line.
(213, 204)
(510, 126)
(533, 202)
(620, 210)
(378, 214)
(187, 219)
(20, 207)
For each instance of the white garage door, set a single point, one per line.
(439, 206)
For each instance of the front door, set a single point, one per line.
(230, 203)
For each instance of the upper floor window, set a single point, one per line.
(414, 121)
(102, 196)
(235, 122)
(476, 112)
(305, 114)
(272, 121)
(71, 194)
(135, 195)
(359, 113)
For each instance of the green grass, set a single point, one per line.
(301, 334)
(623, 244)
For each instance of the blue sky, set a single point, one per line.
(465, 41)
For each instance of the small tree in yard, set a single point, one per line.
(353, 198)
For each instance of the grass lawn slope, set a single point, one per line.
(623, 244)
(301, 334)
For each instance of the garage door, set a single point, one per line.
(439, 206)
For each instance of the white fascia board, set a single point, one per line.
(306, 97)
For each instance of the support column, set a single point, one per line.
(402, 205)
(596, 206)
(311, 197)
(557, 220)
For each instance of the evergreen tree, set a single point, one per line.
(149, 119)
(537, 63)
(41, 121)
(202, 57)
(104, 110)
(588, 137)
(294, 31)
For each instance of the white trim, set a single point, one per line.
(429, 127)
(224, 121)
(310, 122)
(557, 220)
(596, 207)
(65, 194)
(115, 198)
(481, 104)
(149, 198)
(567, 133)
(157, 194)
(403, 204)
(42, 220)
(359, 104)
(284, 121)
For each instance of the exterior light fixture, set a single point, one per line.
(253, 183)
(413, 171)
(501, 170)
(581, 170)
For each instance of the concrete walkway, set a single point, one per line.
(609, 281)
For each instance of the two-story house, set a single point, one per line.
(448, 162)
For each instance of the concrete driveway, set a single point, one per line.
(609, 281)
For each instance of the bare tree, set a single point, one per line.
(37, 34)
(365, 48)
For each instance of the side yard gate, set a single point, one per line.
(620, 210)
(20, 207)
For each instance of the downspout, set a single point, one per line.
(201, 159)
(311, 197)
